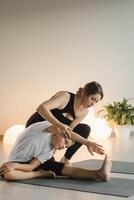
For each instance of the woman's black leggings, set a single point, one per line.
(84, 131)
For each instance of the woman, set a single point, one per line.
(66, 110)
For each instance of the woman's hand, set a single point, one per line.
(6, 167)
(94, 147)
(64, 130)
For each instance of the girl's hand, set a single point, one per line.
(94, 147)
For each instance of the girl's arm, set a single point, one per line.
(33, 164)
(91, 146)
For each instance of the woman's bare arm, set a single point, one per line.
(58, 101)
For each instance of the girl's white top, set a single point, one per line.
(33, 143)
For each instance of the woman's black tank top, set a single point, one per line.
(58, 113)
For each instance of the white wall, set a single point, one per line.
(52, 45)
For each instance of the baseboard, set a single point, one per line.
(1, 137)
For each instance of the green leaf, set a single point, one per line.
(119, 112)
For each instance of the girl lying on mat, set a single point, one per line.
(32, 156)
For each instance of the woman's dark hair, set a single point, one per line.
(93, 88)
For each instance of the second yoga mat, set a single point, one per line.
(117, 166)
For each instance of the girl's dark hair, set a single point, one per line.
(93, 88)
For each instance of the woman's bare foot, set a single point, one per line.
(104, 172)
(66, 161)
(43, 173)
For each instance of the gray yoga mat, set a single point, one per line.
(117, 166)
(116, 186)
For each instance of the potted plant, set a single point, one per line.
(121, 116)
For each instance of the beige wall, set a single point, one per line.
(52, 45)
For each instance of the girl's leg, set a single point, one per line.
(19, 175)
(102, 174)
(83, 130)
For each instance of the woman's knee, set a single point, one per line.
(83, 130)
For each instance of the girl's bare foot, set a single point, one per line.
(104, 172)
(44, 173)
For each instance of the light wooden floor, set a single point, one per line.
(118, 150)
